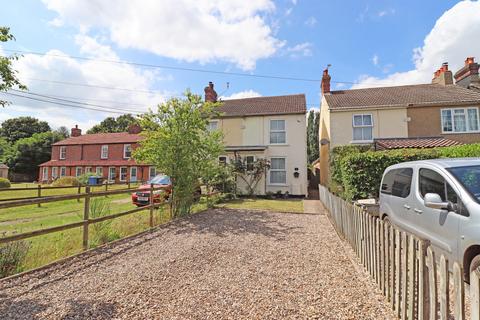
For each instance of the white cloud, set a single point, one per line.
(375, 60)
(242, 94)
(302, 49)
(386, 12)
(204, 31)
(294, 2)
(92, 72)
(452, 39)
(311, 21)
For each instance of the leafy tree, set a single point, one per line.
(177, 141)
(111, 124)
(313, 123)
(22, 127)
(27, 153)
(250, 173)
(4, 147)
(7, 73)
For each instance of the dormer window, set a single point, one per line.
(127, 151)
(63, 152)
(104, 153)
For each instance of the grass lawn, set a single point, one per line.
(291, 205)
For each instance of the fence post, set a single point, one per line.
(86, 217)
(39, 193)
(475, 295)
(458, 292)
(411, 277)
(106, 189)
(423, 298)
(432, 283)
(443, 288)
(79, 191)
(128, 183)
(404, 273)
(152, 205)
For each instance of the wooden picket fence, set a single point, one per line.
(416, 284)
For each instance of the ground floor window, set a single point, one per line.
(111, 173)
(278, 172)
(222, 159)
(63, 172)
(99, 171)
(54, 172)
(250, 160)
(123, 173)
(88, 169)
(152, 172)
(78, 171)
(133, 174)
(45, 174)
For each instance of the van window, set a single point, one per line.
(397, 182)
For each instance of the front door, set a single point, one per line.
(133, 174)
(440, 226)
(111, 174)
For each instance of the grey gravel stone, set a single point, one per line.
(219, 264)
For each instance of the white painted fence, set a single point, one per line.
(404, 267)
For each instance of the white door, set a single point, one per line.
(133, 174)
(111, 173)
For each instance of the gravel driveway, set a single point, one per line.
(219, 264)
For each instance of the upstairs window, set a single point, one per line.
(277, 132)
(104, 152)
(127, 151)
(362, 127)
(63, 152)
(460, 120)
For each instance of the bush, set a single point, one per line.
(66, 181)
(83, 179)
(101, 231)
(12, 256)
(4, 183)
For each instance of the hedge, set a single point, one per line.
(4, 183)
(361, 173)
(66, 182)
(337, 155)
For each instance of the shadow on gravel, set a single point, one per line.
(225, 222)
(24, 309)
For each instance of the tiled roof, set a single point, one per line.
(101, 138)
(420, 142)
(289, 104)
(3, 166)
(89, 163)
(401, 96)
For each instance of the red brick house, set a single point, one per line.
(106, 154)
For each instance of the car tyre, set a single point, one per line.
(475, 264)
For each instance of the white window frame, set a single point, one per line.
(272, 131)
(99, 173)
(150, 172)
(110, 178)
(63, 153)
(120, 174)
(136, 174)
(211, 122)
(54, 173)
(246, 162)
(467, 122)
(76, 171)
(45, 174)
(125, 151)
(362, 126)
(104, 151)
(88, 169)
(63, 171)
(278, 170)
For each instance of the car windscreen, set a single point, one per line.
(160, 180)
(469, 177)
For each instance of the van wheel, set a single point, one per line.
(475, 264)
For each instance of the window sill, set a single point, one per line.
(279, 144)
(277, 185)
(462, 132)
(361, 141)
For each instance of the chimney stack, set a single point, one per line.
(468, 74)
(443, 76)
(210, 93)
(76, 132)
(325, 86)
(134, 128)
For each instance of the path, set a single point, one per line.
(220, 264)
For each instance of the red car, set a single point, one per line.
(161, 182)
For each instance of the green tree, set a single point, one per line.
(22, 127)
(177, 141)
(250, 173)
(111, 124)
(313, 123)
(27, 153)
(310, 121)
(7, 73)
(63, 131)
(4, 147)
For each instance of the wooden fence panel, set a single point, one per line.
(443, 288)
(475, 295)
(458, 292)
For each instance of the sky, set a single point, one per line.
(76, 50)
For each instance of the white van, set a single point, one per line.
(437, 200)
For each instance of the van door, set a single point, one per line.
(439, 226)
(396, 191)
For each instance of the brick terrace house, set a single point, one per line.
(106, 154)
(436, 114)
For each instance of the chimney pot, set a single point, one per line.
(469, 60)
(325, 85)
(468, 74)
(76, 132)
(443, 76)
